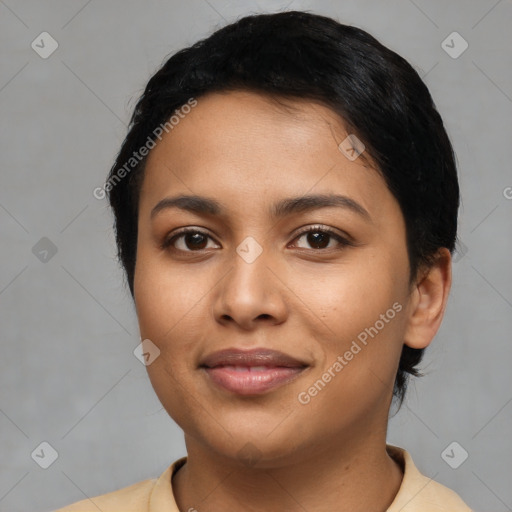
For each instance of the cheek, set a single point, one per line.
(351, 296)
(359, 309)
(357, 370)
(169, 314)
(167, 300)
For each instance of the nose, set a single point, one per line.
(251, 293)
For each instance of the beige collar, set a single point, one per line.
(417, 492)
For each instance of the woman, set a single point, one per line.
(285, 209)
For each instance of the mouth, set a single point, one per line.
(251, 372)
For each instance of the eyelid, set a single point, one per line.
(342, 237)
(168, 240)
(321, 227)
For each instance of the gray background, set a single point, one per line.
(68, 328)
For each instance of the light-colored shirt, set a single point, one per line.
(417, 493)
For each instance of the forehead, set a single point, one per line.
(246, 146)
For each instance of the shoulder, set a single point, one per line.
(418, 493)
(134, 498)
(146, 496)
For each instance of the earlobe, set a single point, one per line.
(428, 301)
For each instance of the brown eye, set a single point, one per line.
(318, 237)
(195, 241)
(188, 240)
(318, 240)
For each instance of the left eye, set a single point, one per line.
(319, 238)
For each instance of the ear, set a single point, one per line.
(428, 301)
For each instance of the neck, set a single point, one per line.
(353, 477)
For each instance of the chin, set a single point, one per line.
(252, 446)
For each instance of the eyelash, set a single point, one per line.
(312, 229)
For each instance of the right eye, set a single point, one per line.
(187, 240)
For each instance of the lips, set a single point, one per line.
(251, 372)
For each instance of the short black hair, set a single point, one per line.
(300, 55)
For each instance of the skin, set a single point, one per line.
(247, 153)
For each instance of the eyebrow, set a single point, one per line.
(204, 205)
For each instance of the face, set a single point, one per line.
(326, 284)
